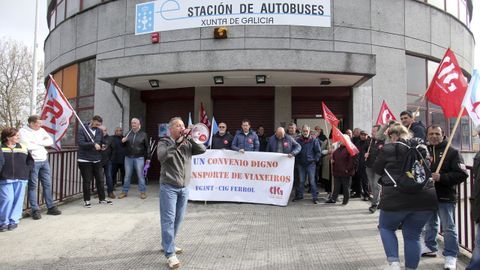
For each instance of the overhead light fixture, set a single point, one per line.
(325, 81)
(220, 32)
(218, 79)
(154, 83)
(261, 78)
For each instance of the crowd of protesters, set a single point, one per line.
(318, 163)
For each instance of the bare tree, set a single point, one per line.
(15, 82)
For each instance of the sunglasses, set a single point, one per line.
(222, 127)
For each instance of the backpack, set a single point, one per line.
(416, 174)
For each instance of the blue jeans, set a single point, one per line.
(475, 262)
(446, 213)
(137, 165)
(40, 171)
(173, 203)
(107, 170)
(12, 194)
(303, 171)
(412, 225)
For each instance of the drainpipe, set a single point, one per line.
(115, 83)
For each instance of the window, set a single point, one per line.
(457, 8)
(438, 3)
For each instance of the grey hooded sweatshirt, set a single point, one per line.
(176, 161)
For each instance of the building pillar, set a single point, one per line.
(283, 106)
(362, 107)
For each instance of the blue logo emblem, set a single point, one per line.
(144, 18)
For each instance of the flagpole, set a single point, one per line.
(459, 118)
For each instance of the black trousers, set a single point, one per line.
(341, 183)
(115, 168)
(89, 170)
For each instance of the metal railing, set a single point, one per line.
(465, 224)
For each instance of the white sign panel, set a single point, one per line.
(165, 15)
(256, 177)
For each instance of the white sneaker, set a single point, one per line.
(87, 204)
(173, 262)
(393, 266)
(450, 263)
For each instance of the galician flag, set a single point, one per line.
(471, 101)
(56, 113)
(213, 131)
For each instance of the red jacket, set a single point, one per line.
(342, 163)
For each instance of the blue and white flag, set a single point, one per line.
(213, 131)
(471, 101)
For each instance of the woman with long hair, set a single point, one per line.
(411, 210)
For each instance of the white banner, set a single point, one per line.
(256, 177)
(165, 15)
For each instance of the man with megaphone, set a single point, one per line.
(175, 156)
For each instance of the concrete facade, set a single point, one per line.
(369, 38)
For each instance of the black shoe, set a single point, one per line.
(54, 211)
(4, 228)
(344, 203)
(373, 208)
(12, 227)
(365, 198)
(296, 199)
(355, 195)
(36, 215)
(315, 201)
(330, 201)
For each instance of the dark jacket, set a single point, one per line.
(263, 140)
(176, 161)
(289, 145)
(2, 160)
(137, 145)
(310, 151)
(342, 162)
(475, 199)
(452, 172)
(419, 131)
(119, 150)
(362, 147)
(107, 153)
(247, 142)
(375, 146)
(86, 148)
(17, 163)
(391, 158)
(222, 141)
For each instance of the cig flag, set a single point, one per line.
(448, 86)
(337, 136)
(385, 115)
(203, 116)
(471, 101)
(329, 116)
(56, 113)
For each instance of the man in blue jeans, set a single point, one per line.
(137, 145)
(175, 156)
(36, 139)
(452, 173)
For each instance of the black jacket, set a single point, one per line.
(86, 148)
(475, 199)
(263, 142)
(119, 150)
(391, 157)
(222, 141)
(137, 145)
(2, 160)
(17, 163)
(419, 130)
(375, 147)
(452, 173)
(108, 149)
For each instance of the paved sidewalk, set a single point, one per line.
(126, 235)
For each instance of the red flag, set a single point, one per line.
(56, 113)
(337, 136)
(329, 116)
(448, 86)
(385, 115)
(203, 116)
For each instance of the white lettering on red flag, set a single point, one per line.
(337, 136)
(329, 116)
(448, 86)
(56, 113)
(203, 116)
(385, 115)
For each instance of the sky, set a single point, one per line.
(17, 21)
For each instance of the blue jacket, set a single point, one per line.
(86, 148)
(290, 146)
(247, 142)
(310, 152)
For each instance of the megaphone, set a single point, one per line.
(199, 133)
